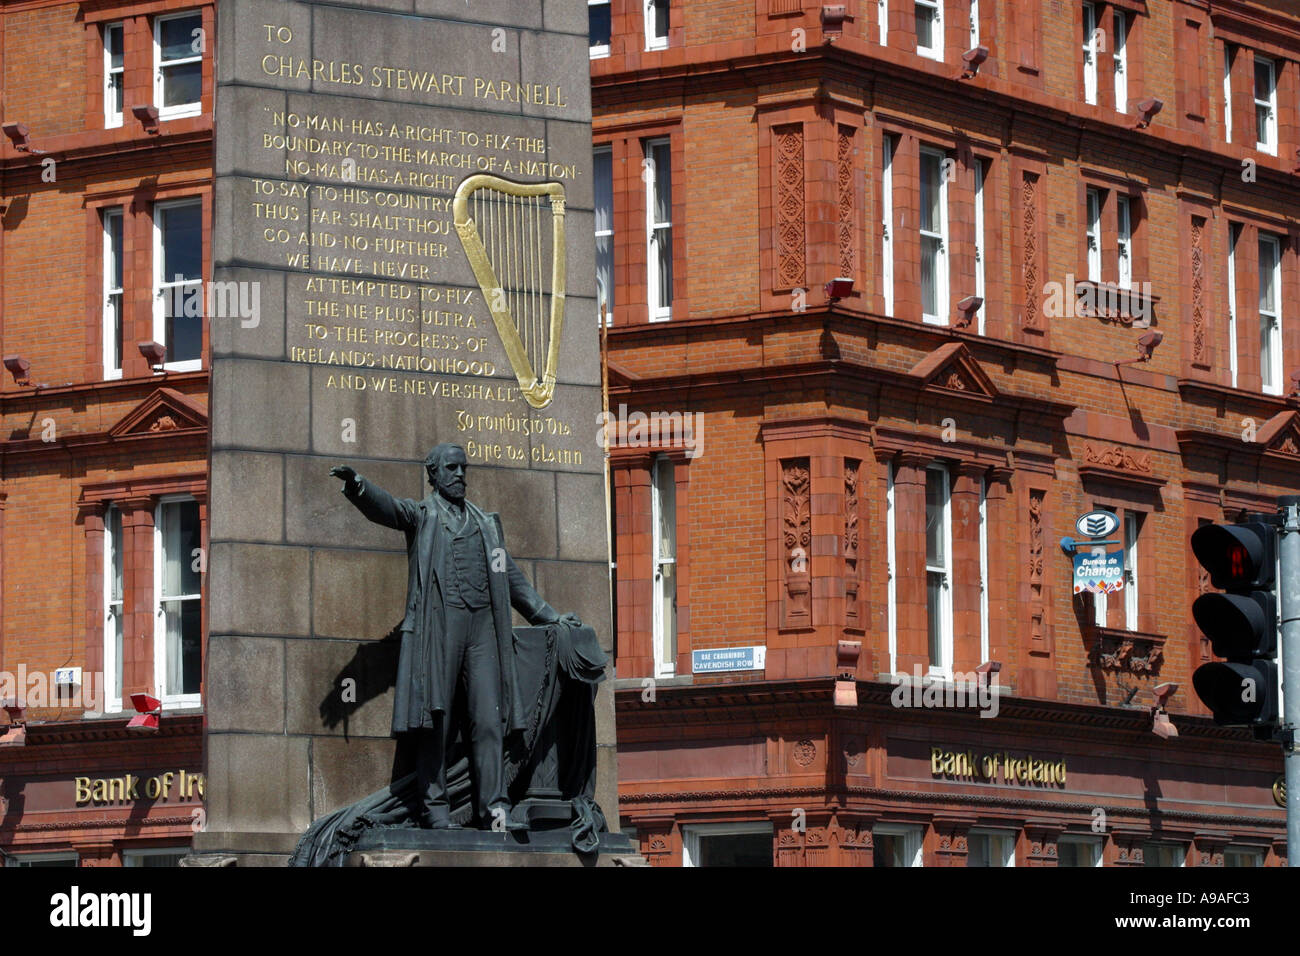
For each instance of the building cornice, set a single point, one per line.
(814, 697)
(856, 62)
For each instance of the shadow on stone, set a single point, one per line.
(372, 671)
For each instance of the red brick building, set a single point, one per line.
(105, 195)
(895, 469)
(873, 486)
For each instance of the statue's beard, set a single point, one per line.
(454, 492)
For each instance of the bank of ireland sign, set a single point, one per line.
(1097, 524)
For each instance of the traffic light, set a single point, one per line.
(1241, 624)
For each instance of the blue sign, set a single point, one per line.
(1098, 571)
(716, 659)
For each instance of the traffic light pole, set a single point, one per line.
(1289, 595)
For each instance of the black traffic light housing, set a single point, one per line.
(1241, 624)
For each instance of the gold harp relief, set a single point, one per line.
(502, 225)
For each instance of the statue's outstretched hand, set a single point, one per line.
(571, 619)
(345, 472)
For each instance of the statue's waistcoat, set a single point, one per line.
(464, 577)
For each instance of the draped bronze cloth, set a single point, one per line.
(558, 667)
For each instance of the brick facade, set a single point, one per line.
(78, 440)
(778, 135)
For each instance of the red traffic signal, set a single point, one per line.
(1241, 624)
(1238, 556)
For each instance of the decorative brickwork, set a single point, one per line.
(791, 253)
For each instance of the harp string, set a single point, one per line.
(514, 232)
(532, 284)
(540, 302)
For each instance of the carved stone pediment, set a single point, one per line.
(165, 410)
(952, 370)
(1281, 434)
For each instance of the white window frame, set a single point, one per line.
(665, 644)
(1077, 839)
(935, 51)
(984, 569)
(163, 287)
(1132, 529)
(1004, 840)
(658, 311)
(598, 50)
(1093, 233)
(1270, 324)
(913, 834)
(112, 692)
(979, 242)
(943, 667)
(887, 222)
(26, 859)
(1234, 236)
(181, 109)
(1124, 216)
(692, 832)
(1269, 143)
(652, 40)
(941, 257)
(160, 618)
(131, 856)
(113, 319)
(1100, 604)
(1120, 60)
(974, 23)
(113, 116)
(882, 9)
(1228, 55)
(890, 566)
(607, 233)
(1090, 54)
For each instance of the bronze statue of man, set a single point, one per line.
(456, 635)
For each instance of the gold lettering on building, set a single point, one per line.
(996, 767)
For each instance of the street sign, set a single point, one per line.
(716, 659)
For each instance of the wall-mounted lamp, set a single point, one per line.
(18, 135)
(846, 673)
(19, 368)
(148, 117)
(16, 734)
(1161, 725)
(833, 16)
(838, 289)
(974, 59)
(986, 672)
(148, 710)
(1146, 111)
(966, 310)
(1146, 346)
(154, 353)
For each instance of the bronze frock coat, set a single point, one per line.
(419, 690)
